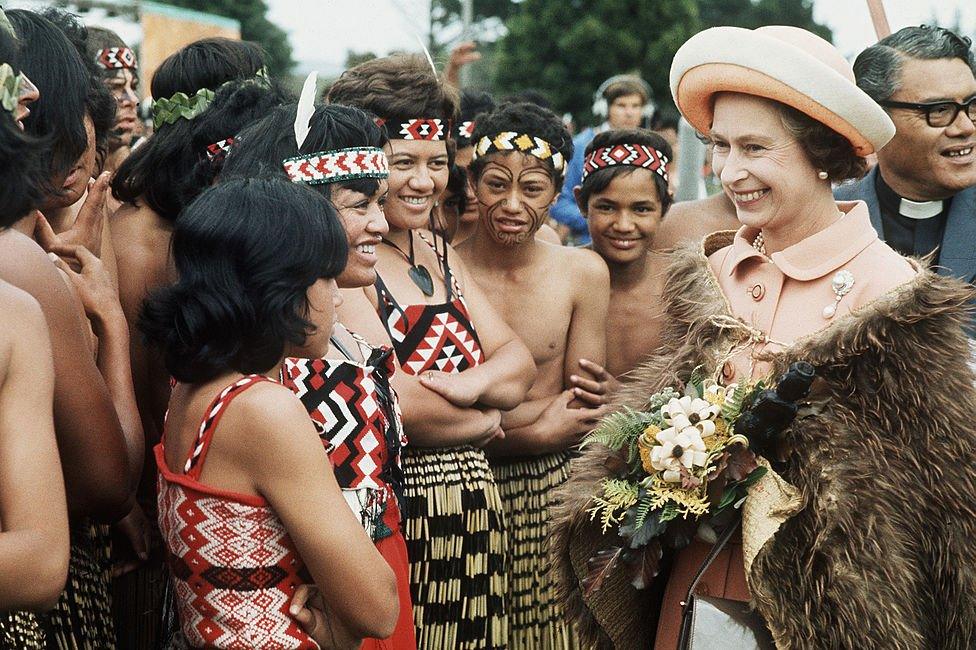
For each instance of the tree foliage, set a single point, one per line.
(255, 26)
(567, 48)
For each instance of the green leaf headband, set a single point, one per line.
(167, 110)
(10, 85)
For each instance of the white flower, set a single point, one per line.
(724, 394)
(690, 412)
(677, 449)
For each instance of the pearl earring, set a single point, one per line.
(822, 175)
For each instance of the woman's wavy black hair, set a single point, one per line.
(56, 68)
(21, 162)
(263, 146)
(246, 252)
(160, 172)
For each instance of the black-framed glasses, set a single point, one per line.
(938, 114)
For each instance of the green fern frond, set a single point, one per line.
(618, 429)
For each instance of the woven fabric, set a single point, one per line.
(234, 567)
(633, 155)
(456, 540)
(219, 150)
(414, 128)
(82, 617)
(527, 144)
(536, 619)
(21, 631)
(337, 166)
(116, 58)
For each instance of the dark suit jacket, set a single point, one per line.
(957, 255)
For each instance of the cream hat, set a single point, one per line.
(786, 64)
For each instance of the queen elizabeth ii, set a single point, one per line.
(861, 537)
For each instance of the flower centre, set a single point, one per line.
(678, 451)
(694, 419)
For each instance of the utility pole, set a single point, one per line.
(467, 17)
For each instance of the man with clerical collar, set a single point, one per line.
(922, 193)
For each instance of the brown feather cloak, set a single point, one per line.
(882, 552)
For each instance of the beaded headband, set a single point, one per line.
(10, 84)
(418, 128)
(167, 110)
(219, 150)
(116, 58)
(634, 155)
(465, 130)
(337, 166)
(528, 144)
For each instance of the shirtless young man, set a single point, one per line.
(555, 299)
(624, 204)
(691, 221)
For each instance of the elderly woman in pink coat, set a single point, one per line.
(862, 537)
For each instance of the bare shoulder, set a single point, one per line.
(264, 416)
(691, 221)
(25, 265)
(140, 236)
(584, 261)
(20, 315)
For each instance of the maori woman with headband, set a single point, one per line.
(337, 151)
(460, 364)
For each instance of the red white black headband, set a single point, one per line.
(219, 150)
(116, 58)
(416, 128)
(633, 155)
(337, 166)
(465, 130)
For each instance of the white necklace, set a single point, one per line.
(759, 243)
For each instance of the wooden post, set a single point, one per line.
(879, 18)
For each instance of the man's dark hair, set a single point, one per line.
(529, 95)
(22, 173)
(527, 118)
(55, 66)
(600, 180)
(264, 145)
(99, 102)
(161, 171)
(246, 252)
(473, 103)
(878, 68)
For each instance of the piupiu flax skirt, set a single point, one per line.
(456, 542)
(536, 620)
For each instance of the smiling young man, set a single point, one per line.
(922, 194)
(624, 196)
(555, 299)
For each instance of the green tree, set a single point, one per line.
(255, 26)
(567, 48)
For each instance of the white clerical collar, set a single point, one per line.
(919, 209)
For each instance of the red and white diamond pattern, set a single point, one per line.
(116, 58)
(634, 155)
(446, 347)
(333, 166)
(422, 129)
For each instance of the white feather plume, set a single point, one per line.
(306, 108)
(430, 59)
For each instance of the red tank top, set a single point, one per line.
(234, 567)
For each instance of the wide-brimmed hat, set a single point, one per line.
(786, 64)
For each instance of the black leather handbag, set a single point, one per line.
(719, 623)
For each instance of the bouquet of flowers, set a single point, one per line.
(676, 463)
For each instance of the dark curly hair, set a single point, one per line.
(826, 149)
(98, 99)
(263, 146)
(473, 103)
(599, 180)
(22, 177)
(402, 85)
(246, 252)
(160, 172)
(523, 117)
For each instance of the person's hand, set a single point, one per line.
(493, 430)
(91, 281)
(458, 388)
(462, 55)
(130, 542)
(593, 392)
(565, 426)
(309, 609)
(88, 226)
